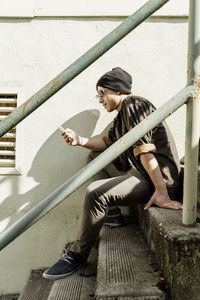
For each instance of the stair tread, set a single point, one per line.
(171, 220)
(37, 287)
(9, 297)
(79, 285)
(124, 268)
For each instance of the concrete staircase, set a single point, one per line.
(125, 266)
(125, 269)
(176, 248)
(78, 286)
(124, 272)
(9, 297)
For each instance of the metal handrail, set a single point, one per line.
(192, 118)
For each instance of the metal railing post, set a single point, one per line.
(192, 118)
(79, 65)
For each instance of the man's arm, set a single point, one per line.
(73, 139)
(160, 197)
(95, 144)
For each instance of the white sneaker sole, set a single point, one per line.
(55, 277)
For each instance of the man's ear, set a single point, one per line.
(118, 93)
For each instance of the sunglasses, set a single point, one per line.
(100, 94)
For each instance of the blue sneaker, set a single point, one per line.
(114, 221)
(66, 265)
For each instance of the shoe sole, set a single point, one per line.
(54, 277)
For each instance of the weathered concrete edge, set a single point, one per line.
(177, 249)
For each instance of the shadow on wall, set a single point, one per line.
(54, 163)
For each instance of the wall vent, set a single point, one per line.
(8, 102)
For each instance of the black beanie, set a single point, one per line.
(117, 80)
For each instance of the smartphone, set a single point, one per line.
(61, 129)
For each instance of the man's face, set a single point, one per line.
(111, 100)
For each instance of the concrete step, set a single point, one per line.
(37, 288)
(124, 270)
(176, 248)
(9, 297)
(78, 286)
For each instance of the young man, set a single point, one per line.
(148, 172)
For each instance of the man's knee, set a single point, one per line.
(92, 191)
(94, 197)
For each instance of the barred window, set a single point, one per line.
(8, 102)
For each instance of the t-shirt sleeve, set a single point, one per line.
(111, 137)
(133, 114)
(144, 148)
(107, 140)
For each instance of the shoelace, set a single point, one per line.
(66, 257)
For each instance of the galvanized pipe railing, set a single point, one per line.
(192, 118)
(80, 64)
(96, 165)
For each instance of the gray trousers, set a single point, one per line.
(110, 188)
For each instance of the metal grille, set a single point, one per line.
(8, 102)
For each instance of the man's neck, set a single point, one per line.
(121, 101)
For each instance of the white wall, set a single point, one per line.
(31, 8)
(34, 50)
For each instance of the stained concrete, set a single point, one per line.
(78, 286)
(36, 287)
(176, 248)
(124, 269)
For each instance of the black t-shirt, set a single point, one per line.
(158, 140)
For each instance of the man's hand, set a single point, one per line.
(71, 137)
(160, 197)
(163, 200)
